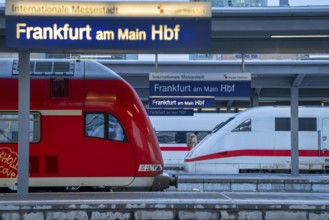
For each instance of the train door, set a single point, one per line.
(324, 147)
(113, 155)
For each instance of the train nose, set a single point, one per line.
(189, 155)
(189, 163)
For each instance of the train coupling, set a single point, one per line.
(173, 181)
(164, 181)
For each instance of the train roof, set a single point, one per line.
(52, 68)
(274, 111)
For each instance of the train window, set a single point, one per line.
(282, 124)
(96, 125)
(9, 127)
(244, 126)
(166, 137)
(220, 125)
(177, 137)
(305, 124)
(180, 137)
(115, 130)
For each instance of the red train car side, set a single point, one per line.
(88, 127)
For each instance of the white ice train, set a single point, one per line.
(259, 139)
(173, 133)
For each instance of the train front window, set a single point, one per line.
(105, 126)
(244, 126)
(115, 130)
(9, 127)
(220, 125)
(94, 125)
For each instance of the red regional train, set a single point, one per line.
(88, 128)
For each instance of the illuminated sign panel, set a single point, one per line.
(170, 112)
(101, 33)
(195, 90)
(115, 26)
(108, 9)
(213, 88)
(181, 102)
(200, 84)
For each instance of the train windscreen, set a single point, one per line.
(219, 126)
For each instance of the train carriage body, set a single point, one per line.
(259, 140)
(173, 133)
(87, 128)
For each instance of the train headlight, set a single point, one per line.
(150, 167)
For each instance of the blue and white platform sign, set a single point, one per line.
(101, 33)
(200, 84)
(181, 102)
(169, 112)
(80, 25)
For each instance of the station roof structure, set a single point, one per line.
(270, 30)
(270, 82)
(248, 31)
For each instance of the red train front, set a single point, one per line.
(87, 128)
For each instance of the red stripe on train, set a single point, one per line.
(258, 153)
(182, 148)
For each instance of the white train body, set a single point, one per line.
(173, 133)
(259, 140)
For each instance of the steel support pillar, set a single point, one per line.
(23, 123)
(294, 122)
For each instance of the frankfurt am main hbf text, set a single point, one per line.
(66, 32)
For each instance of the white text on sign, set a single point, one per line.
(67, 32)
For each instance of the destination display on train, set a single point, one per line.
(113, 26)
(200, 84)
